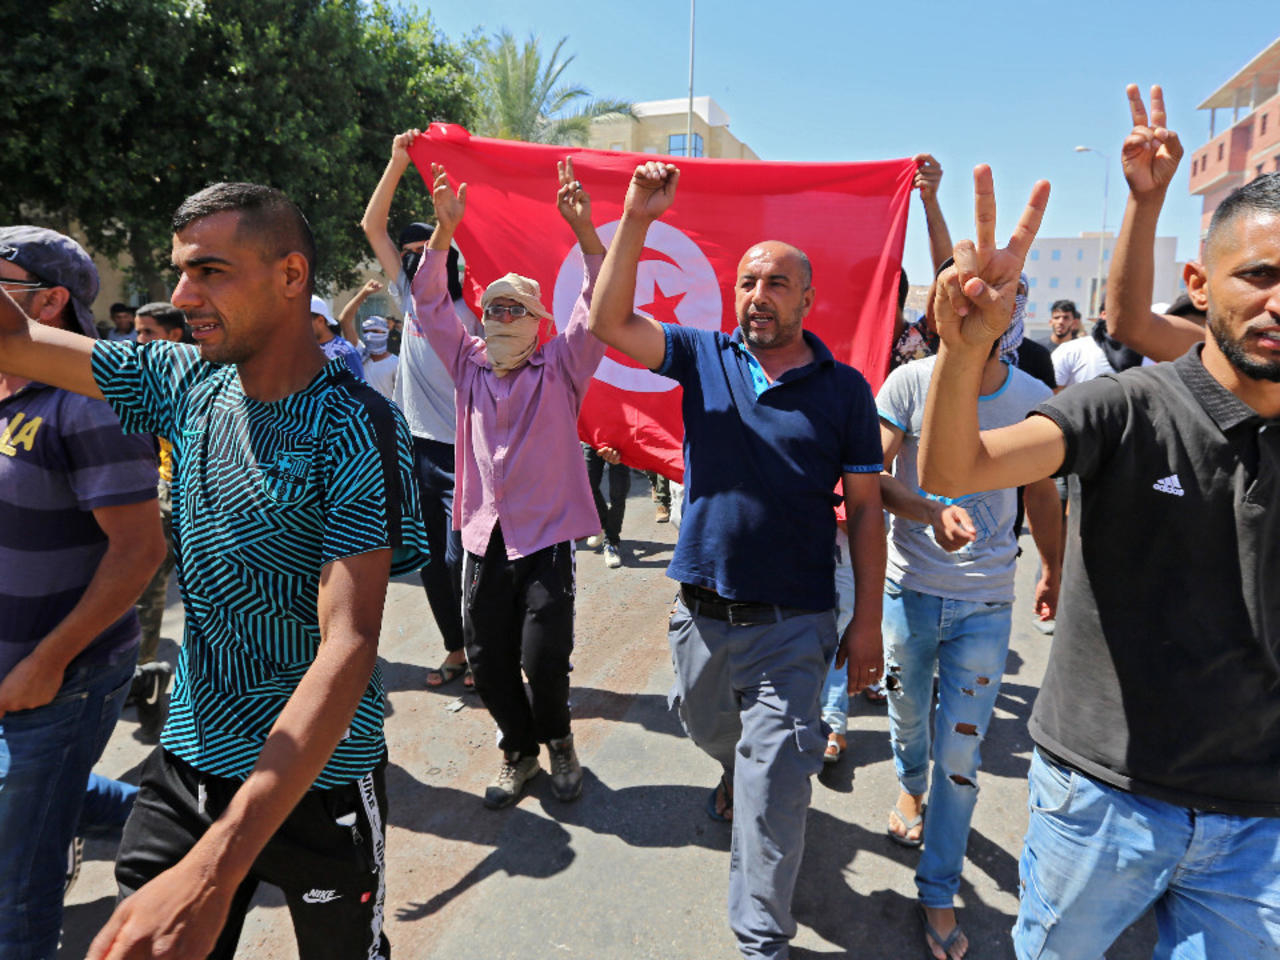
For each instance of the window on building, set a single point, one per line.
(1055, 255)
(1053, 283)
(615, 146)
(1264, 123)
(1035, 254)
(1277, 162)
(1031, 282)
(1079, 283)
(1106, 254)
(1194, 161)
(676, 145)
(1221, 147)
(1204, 161)
(1259, 169)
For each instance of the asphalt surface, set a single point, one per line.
(634, 869)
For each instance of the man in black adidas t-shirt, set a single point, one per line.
(294, 501)
(1156, 778)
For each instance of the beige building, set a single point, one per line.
(661, 126)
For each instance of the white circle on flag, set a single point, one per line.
(674, 284)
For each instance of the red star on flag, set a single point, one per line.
(662, 308)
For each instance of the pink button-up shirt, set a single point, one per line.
(517, 456)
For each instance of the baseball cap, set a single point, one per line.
(56, 259)
(322, 308)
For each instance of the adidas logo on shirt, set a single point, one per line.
(1169, 484)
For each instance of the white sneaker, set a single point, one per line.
(611, 558)
(595, 540)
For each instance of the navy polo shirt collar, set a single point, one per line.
(822, 357)
(1226, 409)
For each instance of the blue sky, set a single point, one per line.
(1014, 85)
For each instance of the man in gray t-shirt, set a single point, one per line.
(948, 606)
(424, 393)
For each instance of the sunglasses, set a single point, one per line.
(514, 311)
(26, 284)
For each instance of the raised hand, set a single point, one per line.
(400, 145)
(973, 298)
(652, 189)
(449, 206)
(1150, 153)
(370, 288)
(572, 201)
(928, 175)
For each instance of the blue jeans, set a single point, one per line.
(1096, 858)
(45, 758)
(968, 642)
(442, 576)
(835, 693)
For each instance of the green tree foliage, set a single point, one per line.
(523, 98)
(115, 110)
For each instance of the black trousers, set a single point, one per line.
(610, 514)
(327, 857)
(442, 576)
(519, 613)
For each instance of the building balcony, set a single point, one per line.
(1224, 157)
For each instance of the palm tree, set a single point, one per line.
(520, 99)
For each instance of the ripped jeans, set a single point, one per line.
(967, 641)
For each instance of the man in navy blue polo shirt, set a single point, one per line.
(772, 422)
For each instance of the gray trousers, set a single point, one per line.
(749, 697)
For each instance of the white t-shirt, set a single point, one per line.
(381, 374)
(1079, 360)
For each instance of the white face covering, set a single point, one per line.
(510, 345)
(376, 342)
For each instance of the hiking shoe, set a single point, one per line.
(663, 513)
(566, 771)
(151, 681)
(611, 558)
(514, 773)
(595, 540)
(75, 856)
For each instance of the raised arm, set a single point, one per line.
(972, 303)
(952, 525)
(1150, 156)
(347, 318)
(183, 909)
(34, 351)
(434, 314)
(928, 176)
(374, 221)
(583, 351)
(613, 318)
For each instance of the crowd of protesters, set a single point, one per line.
(287, 464)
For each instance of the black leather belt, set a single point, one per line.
(707, 603)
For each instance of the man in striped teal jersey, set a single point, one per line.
(294, 500)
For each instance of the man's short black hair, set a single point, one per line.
(1260, 195)
(165, 314)
(1065, 306)
(904, 288)
(122, 308)
(265, 213)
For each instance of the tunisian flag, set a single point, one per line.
(850, 218)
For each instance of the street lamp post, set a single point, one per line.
(688, 130)
(1102, 237)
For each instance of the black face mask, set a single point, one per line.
(410, 260)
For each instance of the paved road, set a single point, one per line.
(633, 870)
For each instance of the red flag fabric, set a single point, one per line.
(850, 218)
